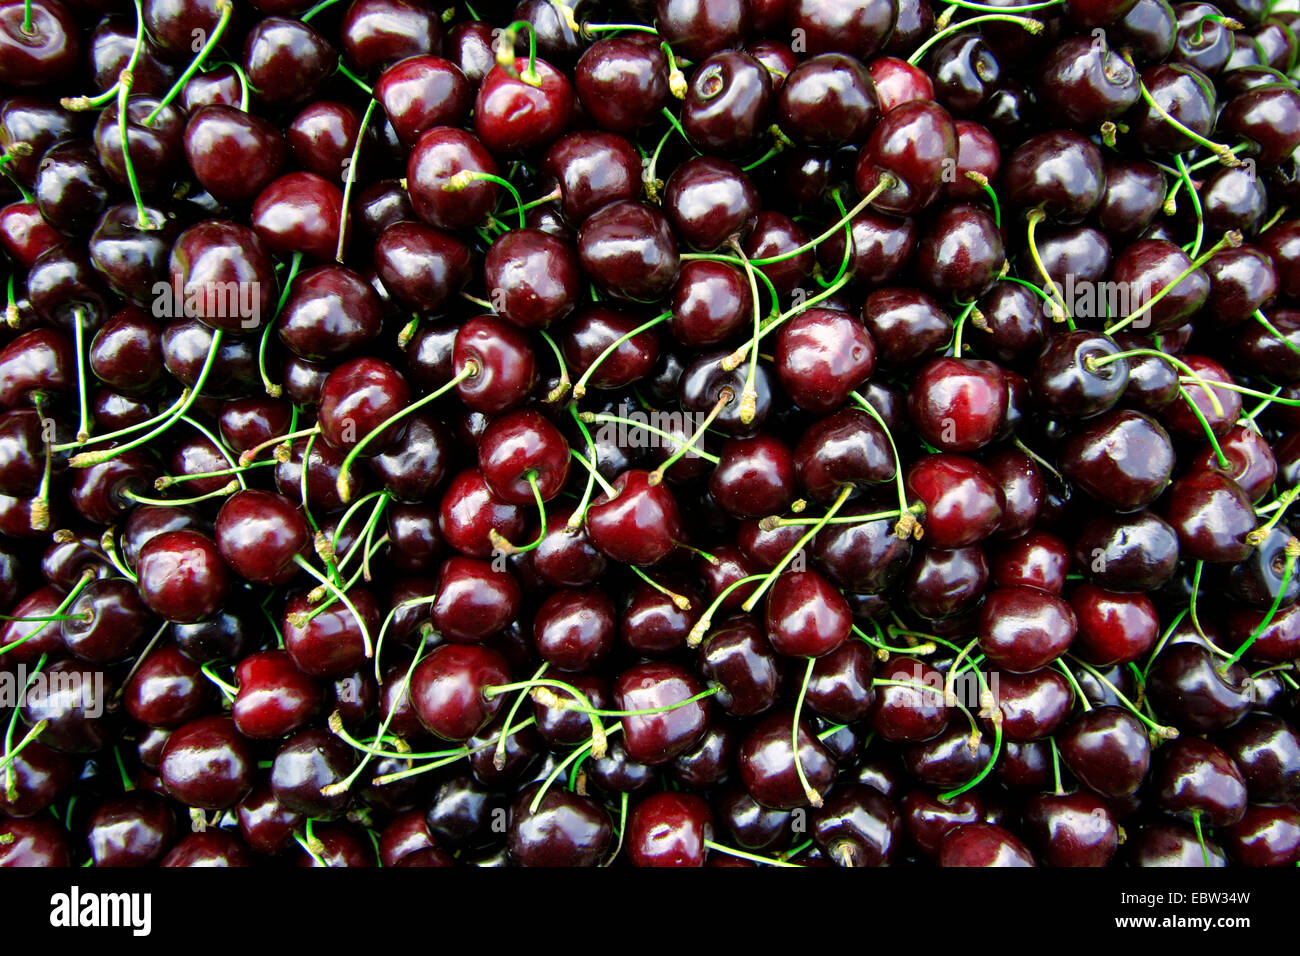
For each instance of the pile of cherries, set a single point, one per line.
(651, 432)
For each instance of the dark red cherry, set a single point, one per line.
(906, 157)
(821, 355)
(329, 640)
(1211, 515)
(675, 727)
(470, 510)
(207, 764)
(356, 402)
(1188, 687)
(766, 759)
(39, 43)
(1181, 90)
(727, 106)
(639, 523)
(500, 361)
(861, 28)
(524, 109)
(1023, 629)
(909, 705)
(1108, 750)
(709, 201)
(958, 404)
(1068, 382)
(260, 534)
(533, 277)
(622, 83)
(182, 576)
(286, 61)
(1192, 777)
(300, 213)
(224, 272)
(628, 249)
(591, 170)
(828, 100)
(375, 32)
(331, 312)
(449, 689)
(167, 690)
(439, 198)
(737, 658)
(806, 615)
(274, 698)
(669, 829)
(132, 829)
(422, 268)
(106, 621)
(565, 829)
(960, 254)
(963, 503)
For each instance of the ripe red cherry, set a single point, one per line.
(259, 534)
(963, 503)
(274, 698)
(440, 200)
(470, 510)
(208, 764)
(523, 110)
(958, 404)
(806, 615)
(639, 523)
(504, 368)
(357, 399)
(533, 277)
(1024, 629)
(656, 738)
(669, 829)
(983, 844)
(821, 356)
(182, 576)
(329, 642)
(474, 600)
(448, 689)
(1114, 628)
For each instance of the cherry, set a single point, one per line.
(1173, 844)
(421, 267)
(866, 557)
(1265, 836)
(1023, 629)
(709, 201)
(106, 621)
(522, 109)
(71, 188)
(1108, 750)
(828, 100)
(806, 616)
(40, 775)
(1134, 193)
(860, 29)
(1136, 552)
(944, 583)
(357, 400)
(33, 842)
(669, 829)
(286, 61)
(329, 641)
(182, 576)
(307, 768)
(767, 763)
(1069, 379)
(449, 689)
(498, 362)
(628, 250)
(330, 312)
(1264, 749)
(1192, 776)
(906, 157)
(898, 82)
(167, 690)
(533, 276)
(727, 105)
(470, 510)
(821, 356)
(259, 535)
(710, 302)
(39, 42)
(957, 405)
(438, 197)
(206, 763)
(212, 848)
(214, 257)
(963, 503)
(1180, 90)
(674, 727)
(1188, 688)
(375, 32)
(132, 829)
(858, 826)
(622, 83)
(564, 830)
(737, 658)
(1211, 515)
(1076, 829)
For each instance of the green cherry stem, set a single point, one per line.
(188, 397)
(1196, 206)
(78, 336)
(812, 796)
(499, 541)
(1034, 27)
(1263, 320)
(350, 178)
(339, 593)
(505, 53)
(580, 386)
(345, 493)
(225, 9)
(1292, 552)
(808, 535)
(908, 525)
